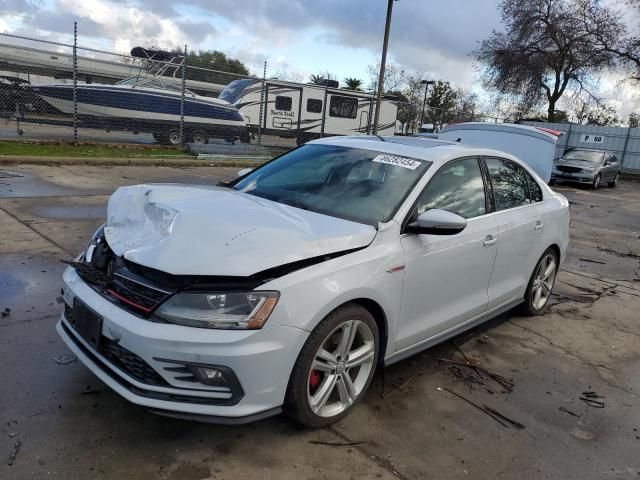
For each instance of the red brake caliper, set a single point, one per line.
(314, 379)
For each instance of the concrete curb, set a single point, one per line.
(118, 162)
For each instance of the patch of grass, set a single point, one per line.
(64, 149)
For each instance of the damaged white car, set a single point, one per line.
(285, 288)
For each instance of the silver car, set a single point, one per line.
(593, 167)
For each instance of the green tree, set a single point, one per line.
(318, 78)
(352, 84)
(634, 120)
(441, 103)
(208, 65)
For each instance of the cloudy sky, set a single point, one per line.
(299, 36)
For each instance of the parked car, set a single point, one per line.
(286, 287)
(581, 165)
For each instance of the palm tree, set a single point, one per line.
(316, 79)
(353, 84)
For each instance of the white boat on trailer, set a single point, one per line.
(149, 104)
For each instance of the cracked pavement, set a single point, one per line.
(410, 425)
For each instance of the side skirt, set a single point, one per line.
(452, 332)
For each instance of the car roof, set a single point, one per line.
(435, 151)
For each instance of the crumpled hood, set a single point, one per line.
(195, 230)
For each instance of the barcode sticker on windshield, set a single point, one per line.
(397, 161)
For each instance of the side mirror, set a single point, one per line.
(437, 222)
(244, 171)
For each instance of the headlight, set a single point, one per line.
(224, 310)
(587, 170)
(95, 240)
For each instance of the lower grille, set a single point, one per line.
(236, 395)
(130, 363)
(567, 169)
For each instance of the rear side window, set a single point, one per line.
(314, 105)
(283, 103)
(534, 189)
(343, 107)
(457, 188)
(511, 184)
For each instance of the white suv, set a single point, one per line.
(287, 287)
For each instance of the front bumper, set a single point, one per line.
(573, 177)
(261, 360)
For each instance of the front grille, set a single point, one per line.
(568, 169)
(134, 294)
(130, 363)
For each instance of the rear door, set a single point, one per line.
(519, 214)
(447, 276)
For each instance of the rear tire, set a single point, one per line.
(334, 368)
(614, 182)
(199, 138)
(538, 293)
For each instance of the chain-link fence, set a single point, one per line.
(70, 92)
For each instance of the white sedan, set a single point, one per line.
(285, 288)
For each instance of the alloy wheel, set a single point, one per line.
(174, 138)
(543, 281)
(340, 368)
(596, 182)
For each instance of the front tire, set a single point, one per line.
(538, 293)
(596, 182)
(334, 367)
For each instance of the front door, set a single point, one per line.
(283, 108)
(447, 277)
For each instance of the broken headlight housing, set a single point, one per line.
(221, 310)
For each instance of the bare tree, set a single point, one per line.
(289, 76)
(394, 77)
(625, 45)
(547, 47)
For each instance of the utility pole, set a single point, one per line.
(426, 84)
(383, 64)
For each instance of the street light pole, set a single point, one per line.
(426, 84)
(383, 64)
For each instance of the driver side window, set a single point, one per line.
(458, 188)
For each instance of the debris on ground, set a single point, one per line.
(335, 444)
(497, 416)
(573, 414)
(591, 399)
(504, 382)
(59, 299)
(14, 452)
(396, 387)
(592, 261)
(65, 359)
(5, 312)
(619, 254)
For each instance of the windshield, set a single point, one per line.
(350, 183)
(234, 90)
(584, 155)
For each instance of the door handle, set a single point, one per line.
(489, 240)
(539, 225)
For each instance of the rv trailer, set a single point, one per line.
(307, 112)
